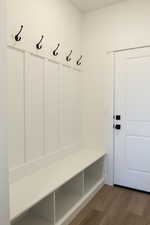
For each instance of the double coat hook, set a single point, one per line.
(17, 37)
(68, 58)
(39, 45)
(79, 61)
(55, 52)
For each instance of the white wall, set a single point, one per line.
(4, 208)
(119, 26)
(43, 93)
(58, 20)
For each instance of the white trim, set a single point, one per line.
(114, 112)
(29, 168)
(44, 56)
(110, 147)
(25, 167)
(128, 49)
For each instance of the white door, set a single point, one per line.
(132, 104)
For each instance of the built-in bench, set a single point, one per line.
(56, 194)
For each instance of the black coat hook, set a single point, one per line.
(68, 58)
(55, 52)
(17, 38)
(38, 45)
(79, 61)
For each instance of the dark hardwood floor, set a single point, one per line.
(116, 206)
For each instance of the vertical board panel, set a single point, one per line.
(15, 107)
(70, 108)
(77, 107)
(34, 107)
(52, 107)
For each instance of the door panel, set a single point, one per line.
(141, 147)
(132, 142)
(134, 128)
(138, 80)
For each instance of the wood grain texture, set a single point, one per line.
(116, 206)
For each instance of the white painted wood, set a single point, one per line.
(31, 167)
(70, 108)
(52, 92)
(93, 174)
(46, 55)
(44, 209)
(67, 196)
(42, 213)
(69, 216)
(54, 102)
(31, 189)
(71, 194)
(74, 211)
(132, 167)
(77, 107)
(15, 107)
(4, 193)
(34, 107)
(32, 220)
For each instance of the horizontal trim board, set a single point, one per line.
(29, 168)
(128, 49)
(45, 56)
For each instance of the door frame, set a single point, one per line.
(4, 185)
(111, 151)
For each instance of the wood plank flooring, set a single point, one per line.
(116, 206)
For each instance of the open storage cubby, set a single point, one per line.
(93, 174)
(63, 193)
(40, 214)
(68, 195)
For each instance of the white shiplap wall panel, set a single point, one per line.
(34, 107)
(44, 99)
(69, 108)
(51, 107)
(15, 107)
(77, 105)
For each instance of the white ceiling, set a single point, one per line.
(90, 5)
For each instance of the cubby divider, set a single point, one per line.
(68, 195)
(40, 214)
(93, 174)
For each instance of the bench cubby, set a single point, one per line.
(40, 214)
(93, 174)
(68, 195)
(58, 192)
